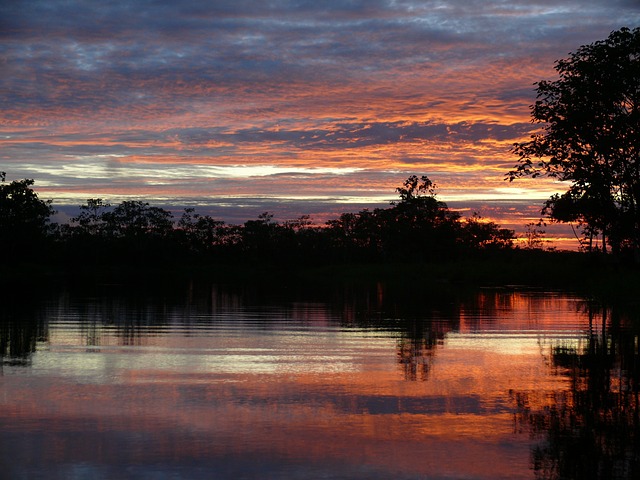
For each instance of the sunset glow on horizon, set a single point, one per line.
(290, 107)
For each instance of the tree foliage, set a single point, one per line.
(91, 220)
(131, 231)
(416, 227)
(590, 138)
(24, 218)
(135, 219)
(199, 233)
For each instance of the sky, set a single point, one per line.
(293, 107)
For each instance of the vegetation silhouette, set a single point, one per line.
(416, 227)
(416, 240)
(590, 119)
(24, 220)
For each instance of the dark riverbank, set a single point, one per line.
(592, 276)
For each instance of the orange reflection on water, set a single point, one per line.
(299, 391)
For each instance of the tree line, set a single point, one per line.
(417, 226)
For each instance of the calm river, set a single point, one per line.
(210, 382)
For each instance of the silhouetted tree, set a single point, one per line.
(91, 220)
(137, 232)
(311, 242)
(359, 236)
(416, 227)
(589, 138)
(86, 239)
(478, 234)
(300, 241)
(258, 236)
(416, 189)
(341, 232)
(24, 218)
(419, 224)
(533, 235)
(200, 233)
(136, 219)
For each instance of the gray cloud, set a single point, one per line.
(154, 55)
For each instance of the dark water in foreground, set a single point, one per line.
(214, 383)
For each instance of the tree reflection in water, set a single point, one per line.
(22, 327)
(420, 317)
(590, 431)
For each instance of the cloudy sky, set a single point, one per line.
(289, 106)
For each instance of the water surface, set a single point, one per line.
(219, 383)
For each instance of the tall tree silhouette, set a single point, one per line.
(590, 118)
(24, 219)
(419, 223)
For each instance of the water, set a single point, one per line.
(205, 382)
